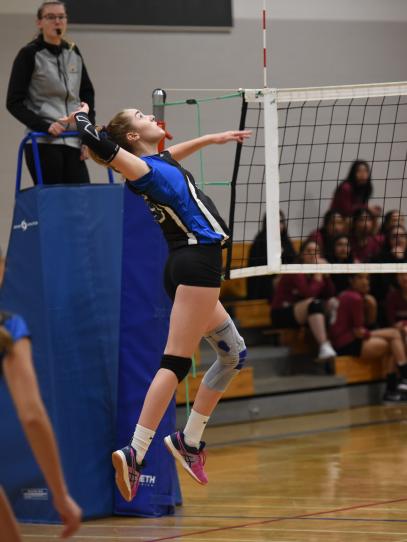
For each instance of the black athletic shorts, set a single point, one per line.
(284, 318)
(193, 265)
(352, 349)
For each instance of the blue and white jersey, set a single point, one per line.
(186, 215)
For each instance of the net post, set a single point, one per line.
(272, 177)
(235, 174)
(159, 98)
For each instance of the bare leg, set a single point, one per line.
(376, 347)
(190, 316)
(316, 321)
(395, 342)
(9, 527)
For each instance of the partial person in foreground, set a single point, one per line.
(195, 234)
(351, 337)
(49, 79)
(17, 368)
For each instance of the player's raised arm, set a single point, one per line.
(185, 149)
(109, 152)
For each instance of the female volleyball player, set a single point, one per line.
(16, 365)
(195, 234)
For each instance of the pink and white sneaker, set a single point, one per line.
(128, 472)
(192, 459)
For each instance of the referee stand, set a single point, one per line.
(84, 268)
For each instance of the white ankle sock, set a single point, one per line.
(141, 441)
(194, 428)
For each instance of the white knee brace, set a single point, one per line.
(231, 351)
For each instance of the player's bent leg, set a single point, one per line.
(230, 348)
(191, 312)
(190, 454)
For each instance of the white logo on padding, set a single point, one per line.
(147, 480)
(24, 225)
(35, 494)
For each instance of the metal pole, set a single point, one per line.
(159, 97)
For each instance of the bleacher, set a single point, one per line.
(255, 314)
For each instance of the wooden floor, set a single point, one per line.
(332, 477)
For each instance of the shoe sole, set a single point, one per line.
(122, 474)
(176, 455)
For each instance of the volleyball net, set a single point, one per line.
(304, 142)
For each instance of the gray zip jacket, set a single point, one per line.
(48, 82)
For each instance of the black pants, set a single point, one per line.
(60, 164)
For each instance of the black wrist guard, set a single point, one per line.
(102, 146)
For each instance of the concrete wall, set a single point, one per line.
(327, 43)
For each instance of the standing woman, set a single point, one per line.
(17, 368)
(195, 234)
(48, 81)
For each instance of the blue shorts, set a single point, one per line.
(17, 328)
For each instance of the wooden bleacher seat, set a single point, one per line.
(241, 386)
(251, 313)
(357, 370)
(236, 288)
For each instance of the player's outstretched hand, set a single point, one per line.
(231, 135)
(70, 514)
(70, 119)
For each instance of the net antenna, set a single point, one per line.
(264, 32)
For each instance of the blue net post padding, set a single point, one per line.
(69, 249)
(64, 276)
(145, 309)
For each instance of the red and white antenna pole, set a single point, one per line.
(264, 16)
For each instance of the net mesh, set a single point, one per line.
(319, 140)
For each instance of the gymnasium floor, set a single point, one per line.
(333, 477)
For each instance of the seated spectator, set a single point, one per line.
(298, 300)
(365, 244)
(391, 220)
(394, 246)
(288, 253)
(394, 251)
(396, 304)
(262, 287)
(354, 193)
(351, 337)
(340, 253)
(334, 225)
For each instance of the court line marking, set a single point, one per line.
(308, 432)
(370, 520)
(265, 522)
